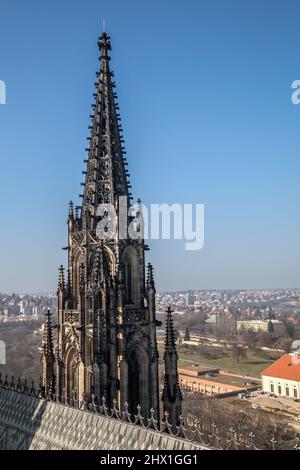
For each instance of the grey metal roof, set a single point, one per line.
(28, 422)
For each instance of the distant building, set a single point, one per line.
(260, 325)
(212, 381)
(22, 307)
(212, 319)
(3, 315)
(190, 299)
(283, 377)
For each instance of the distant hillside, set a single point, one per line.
(22, 350)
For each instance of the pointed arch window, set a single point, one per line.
(133, 382)
(128, 282)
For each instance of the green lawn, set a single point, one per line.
(253, 364)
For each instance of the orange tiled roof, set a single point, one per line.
(286, 367)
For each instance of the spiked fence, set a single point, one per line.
(194, 431)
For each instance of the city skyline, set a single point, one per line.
(207, 118)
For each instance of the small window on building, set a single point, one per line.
(295, 393)
(287, 391)
(272, 388)
(279, 389)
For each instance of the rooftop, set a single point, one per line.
(197, 370)
(29, 422)
(286, 367)
(218, 379)
(260, 322)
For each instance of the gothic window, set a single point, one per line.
(104, 172)
(133, 383)
(106, 198)
(69, 304)
(74, 376)
(90, 309)
(128, 283)
(71, 373)
(132, 278)
(90, 351)
(77, 271)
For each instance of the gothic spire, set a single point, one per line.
(48, 359)
(103, 291)
(150, 277)
(61, 279)
(71, 210)
(105, 175)
(170, 344)
(172, 396)
(48, 336)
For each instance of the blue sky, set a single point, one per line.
(205, 96)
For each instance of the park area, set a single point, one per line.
(250, 361)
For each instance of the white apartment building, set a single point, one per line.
(283, 377)
(260, 325)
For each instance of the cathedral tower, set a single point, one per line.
(106, 323)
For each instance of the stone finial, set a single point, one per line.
(172, 396)
(48, 336)
(150, 277)
(61, 278)
(71, 209)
